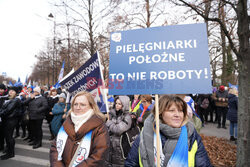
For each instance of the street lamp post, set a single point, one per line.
(54, 56)
(68, 52)
(68, 48)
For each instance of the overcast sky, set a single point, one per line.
(23, 32)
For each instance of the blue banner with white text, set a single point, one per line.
(160, 60)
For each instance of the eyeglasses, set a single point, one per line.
(80, 105)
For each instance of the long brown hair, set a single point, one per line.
(166, 101)
(92, 104)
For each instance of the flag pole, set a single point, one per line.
(157, 129)
(105, 95)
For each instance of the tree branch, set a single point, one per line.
(223, 27)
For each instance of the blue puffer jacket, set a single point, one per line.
(56, 123)
(233, 108)
(201, 157)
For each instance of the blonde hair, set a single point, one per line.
(166, 101)
(92, 104)
(233, 91)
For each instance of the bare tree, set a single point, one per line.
(88, 17)
(85, 22)
(42, 69)
(139, 14)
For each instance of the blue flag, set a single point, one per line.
(18, 83)
(61, 72)
(60, 77)
(10, 83)
(232, 86)
(26, 80)
(57, 85)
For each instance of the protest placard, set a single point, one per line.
(88, 78)
(160, 60)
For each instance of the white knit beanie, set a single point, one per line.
(37, 89)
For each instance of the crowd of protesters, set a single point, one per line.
(27, 107)
(82, 135)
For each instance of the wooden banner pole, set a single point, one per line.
(157, 121)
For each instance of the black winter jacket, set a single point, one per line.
(10, 109)
(3, 98)
(36, 107)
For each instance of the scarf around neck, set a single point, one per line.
(79, 120)
(147, 140)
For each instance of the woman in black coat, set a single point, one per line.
(8, 113)
(232, 113)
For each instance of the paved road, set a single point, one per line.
(25, 156)
(211, 129)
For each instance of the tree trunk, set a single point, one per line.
(148, 14)
(207, 11)
(243, 145)
(223, 45)
(214, 73)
